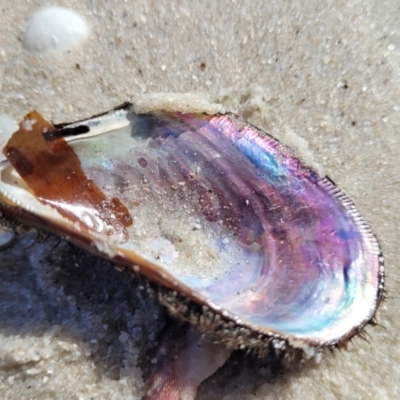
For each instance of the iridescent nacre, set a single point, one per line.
(240, 237)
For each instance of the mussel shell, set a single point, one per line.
(236, 234)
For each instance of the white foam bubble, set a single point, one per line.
(54, 28)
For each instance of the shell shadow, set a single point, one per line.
(54, 288)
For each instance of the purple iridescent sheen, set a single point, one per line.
(313, 269)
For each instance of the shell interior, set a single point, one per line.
(220, 212)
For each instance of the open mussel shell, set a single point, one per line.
(234, 232)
